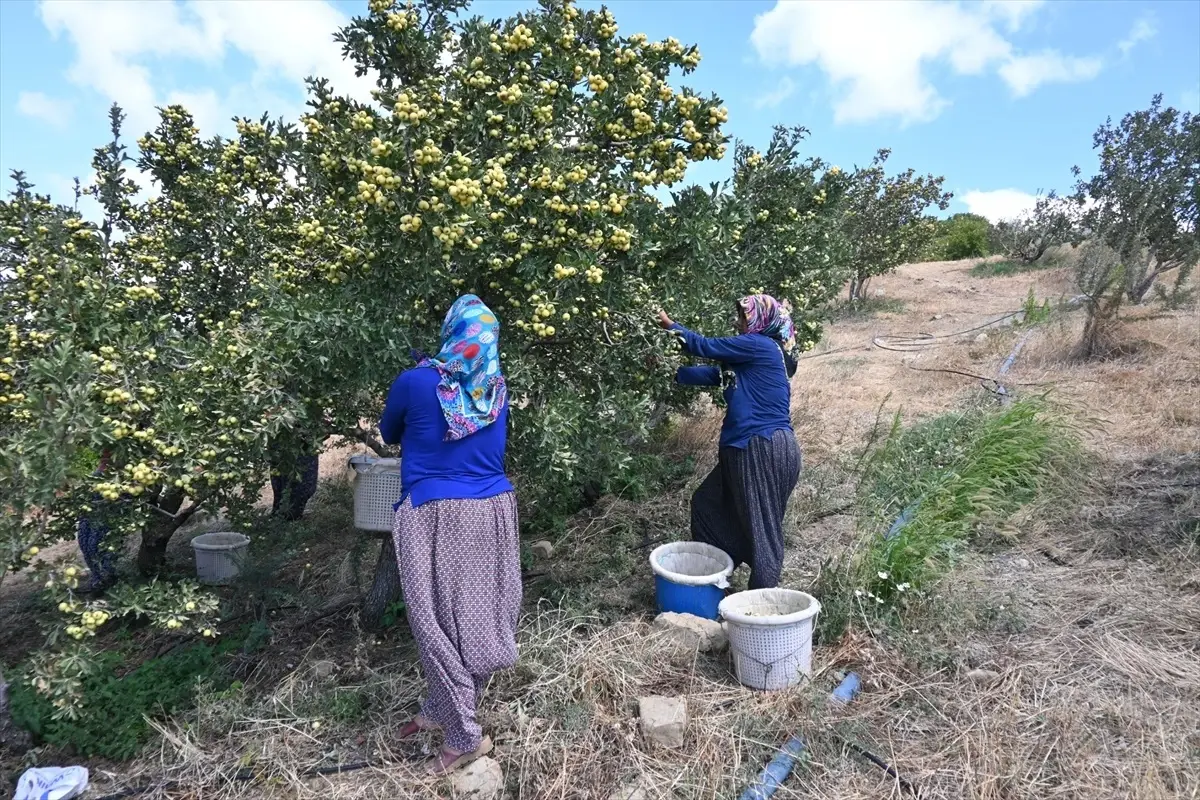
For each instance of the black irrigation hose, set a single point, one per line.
(908, 342)
(246, 774)
(915, 342)
(905, 785)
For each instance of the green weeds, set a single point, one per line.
(1008, 268)
(928, 489)
(113, 720)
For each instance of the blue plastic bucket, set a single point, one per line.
(690, 578)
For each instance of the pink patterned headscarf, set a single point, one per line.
(766, 315)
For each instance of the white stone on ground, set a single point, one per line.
(631, 791)
(663, 720)
(705, 635)
(482, 779)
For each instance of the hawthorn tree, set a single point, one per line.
(265, 298)
(884, 220)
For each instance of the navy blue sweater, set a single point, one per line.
(757, 392)
(432, 468)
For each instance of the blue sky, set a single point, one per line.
(999, 97)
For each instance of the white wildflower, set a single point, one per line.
(883, 576)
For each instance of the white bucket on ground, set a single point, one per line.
(692, 564)
(219, 556)
(770, 636)
(376, 490)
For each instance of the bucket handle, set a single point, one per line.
(767, 666)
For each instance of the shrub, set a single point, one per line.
(1053, 221)
(963, 236)
(117, 702)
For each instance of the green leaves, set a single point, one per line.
(885, 219)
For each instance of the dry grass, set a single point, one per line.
(1089, 617)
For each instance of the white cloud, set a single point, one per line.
(772, 99)
(1023, 74)
(1012, 12)
(1000, 204)
(47, 109)
(1143, 30)
(877, 54)
(117, 42)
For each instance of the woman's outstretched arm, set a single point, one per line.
(698, 376)
(727, 349)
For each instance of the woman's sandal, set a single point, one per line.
(417, 724)
(447, 760)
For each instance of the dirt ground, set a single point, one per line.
(1069, 666)
(1094, 688)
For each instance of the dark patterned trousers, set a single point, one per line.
(101, 561)
(291, 492)
(741, 504)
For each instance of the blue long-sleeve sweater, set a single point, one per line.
(758, 395)
(431, 467)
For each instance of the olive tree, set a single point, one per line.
(1144, 200)
(1053, 221)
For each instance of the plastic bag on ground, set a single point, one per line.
(52, 783)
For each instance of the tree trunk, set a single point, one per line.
(385, 588)
(153, 552)
(858, 288)
(1139, 290)
(1098, 330)
(292, 489)
(1091, 335)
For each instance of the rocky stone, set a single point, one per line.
(705, 635)
(323, 669)
(983, 677)
(542, 549)
(983, 337)
(663, 720)
(631, 791)
(482, 779)
(975, 654)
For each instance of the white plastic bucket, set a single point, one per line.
(770, 636)
(376, 490)
(219, 556)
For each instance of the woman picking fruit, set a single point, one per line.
(456, 526)
(739, 507)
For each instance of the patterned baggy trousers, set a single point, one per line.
(740, 505)
(460, 567)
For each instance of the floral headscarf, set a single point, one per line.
(766, 315)
(472, 391)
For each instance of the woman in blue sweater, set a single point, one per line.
(740, 506)
(456, 525)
